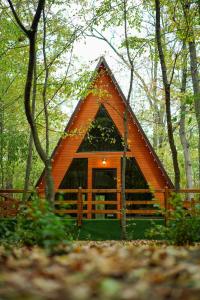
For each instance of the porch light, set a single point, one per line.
(104, 162)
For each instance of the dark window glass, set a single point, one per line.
(102, 135)
(136, 180)
(75, 177)
(134, 177)
(104, 178)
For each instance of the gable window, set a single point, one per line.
(102, 135)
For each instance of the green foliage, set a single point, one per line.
(135, 42)
(37, 226)
(182, 228)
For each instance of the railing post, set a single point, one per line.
(192, 205)
(119, 216)
(89, 204)
(166, 198)
(79, 207)
(120, 206)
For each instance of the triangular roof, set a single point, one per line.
(102, 64)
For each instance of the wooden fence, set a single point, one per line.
(85, 205)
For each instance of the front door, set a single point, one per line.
(104, 179)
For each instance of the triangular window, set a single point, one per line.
(102, 135)
(136, 180)
(134, 177)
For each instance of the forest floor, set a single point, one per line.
(101, 270)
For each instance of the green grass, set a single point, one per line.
(99, 230)
(111, 230)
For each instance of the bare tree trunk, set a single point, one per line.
(30, 144)
(1, 142)
(125, 121)
(49, 192)
(123, 188)
(154, 92)
(49, 187)
(167, 85)
(196, 90)
(194, 71)
(182, 132)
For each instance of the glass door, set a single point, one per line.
(104, 179)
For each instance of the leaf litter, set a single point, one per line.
(101, 270)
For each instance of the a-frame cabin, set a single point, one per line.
(90, 151)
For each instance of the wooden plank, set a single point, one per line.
(62, 191)
(138, 191)
(104, 211)
(103, 202)
(141, 211)
(197, 191)
(13, 191)
(107, 211)
(128, 191)
(66, 201)
(100, 191)
(142, 202)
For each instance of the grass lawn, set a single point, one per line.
(110, 229)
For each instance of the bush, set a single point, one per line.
(39, 226)
(182, 228)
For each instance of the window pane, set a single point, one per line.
(104, 178)
(76, 175)
(103, 135)
(136, 180)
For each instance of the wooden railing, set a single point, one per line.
(9, 202)
(86, 206)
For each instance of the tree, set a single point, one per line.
(31, 34)
(167, 88)
(189, 20)
(182, 129)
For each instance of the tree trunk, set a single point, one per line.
(49, 184)
(182, 133)
(166, 85)
(125, 122)
(31, 34)
(123, 189)
(194, 71)
(1, 142)
(30, 144)
(196, 90)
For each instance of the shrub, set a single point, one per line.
(183, 226)
(38, 225)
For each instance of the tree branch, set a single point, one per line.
(26, 32)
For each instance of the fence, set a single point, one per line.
(86, 204)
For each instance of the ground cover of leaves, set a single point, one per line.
(101, 270)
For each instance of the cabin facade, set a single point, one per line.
(89, 155)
